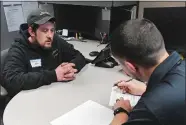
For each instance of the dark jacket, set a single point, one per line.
(19, 74)
(163, 103)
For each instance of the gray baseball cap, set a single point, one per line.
(39, 16)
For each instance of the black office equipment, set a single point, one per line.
(104, 59)
(171, 21)
(118, 15)
(77, 19)
(94, 53)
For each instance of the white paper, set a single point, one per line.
(65, 32)
(47, 7)
(105, 14)
(35, 63)
(89, 113)
(14, 17)
(28, 7)
(117, 94)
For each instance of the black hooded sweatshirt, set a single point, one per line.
(28, 66)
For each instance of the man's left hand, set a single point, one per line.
(121, 118)
(71, 74)
(125, 104)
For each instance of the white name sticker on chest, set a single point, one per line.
(35, 63)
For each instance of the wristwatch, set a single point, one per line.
(119, 110)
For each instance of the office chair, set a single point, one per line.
(4, 54)
(3, 92)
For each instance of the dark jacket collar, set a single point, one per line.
(162, 69)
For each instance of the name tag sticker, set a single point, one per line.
(35, 63)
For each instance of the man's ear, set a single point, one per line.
(31, 32)
(131, 66)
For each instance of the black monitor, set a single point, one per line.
(119, 15)
(76, 18)
(171, 21)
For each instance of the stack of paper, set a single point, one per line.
(89, 113)
(117, 94)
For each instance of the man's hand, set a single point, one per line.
(121, 118)
(71, 74)
(65, 72)
(132, 87)
(125, 104)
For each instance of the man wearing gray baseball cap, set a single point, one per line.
(39, 56)
(39, 16)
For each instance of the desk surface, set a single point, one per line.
(42, 105)
(86, 47)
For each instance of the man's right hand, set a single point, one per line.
(65, 72)
(132, 87)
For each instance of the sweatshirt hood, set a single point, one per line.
(23, 30)
(24, 35)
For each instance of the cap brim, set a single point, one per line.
(45, 19)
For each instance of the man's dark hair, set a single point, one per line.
(34, 27)
(138, 41)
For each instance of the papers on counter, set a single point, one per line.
(116, 93)
(88, 113)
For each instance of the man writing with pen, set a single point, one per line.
(139, 47)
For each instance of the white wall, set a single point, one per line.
(144, 4)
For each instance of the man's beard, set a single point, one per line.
(139, 79)
(46, 48)
(135, 76)
(43, 47)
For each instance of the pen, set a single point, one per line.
(116, 84)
